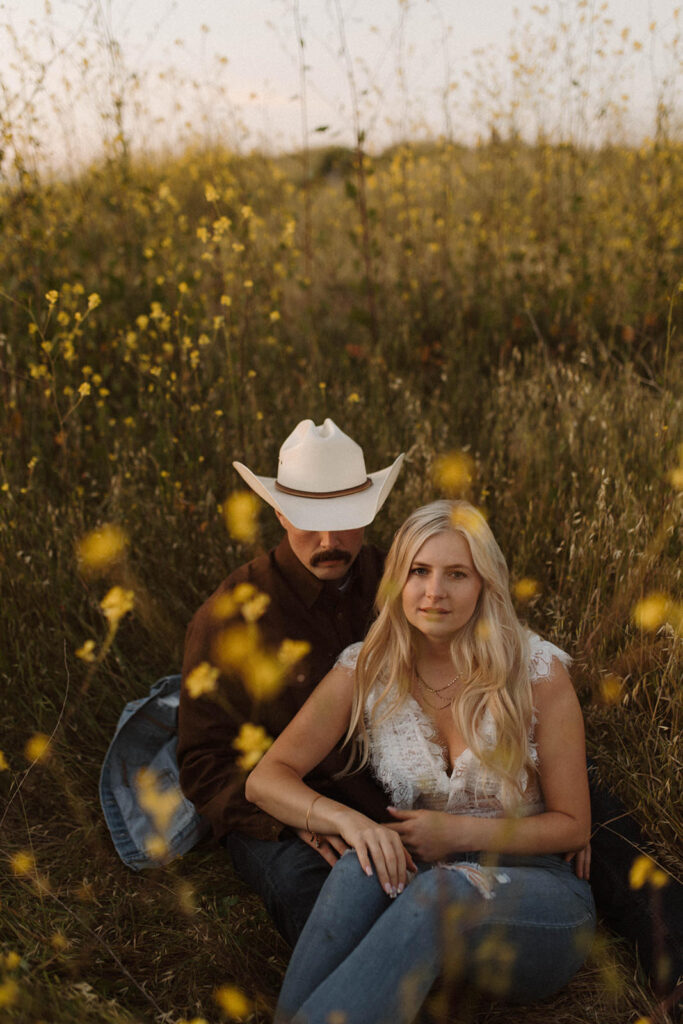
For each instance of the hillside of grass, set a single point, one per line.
(514, 308)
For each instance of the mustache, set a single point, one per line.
(331, 555)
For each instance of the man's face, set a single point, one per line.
(326, 553)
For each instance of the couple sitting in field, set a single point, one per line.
(415, 819)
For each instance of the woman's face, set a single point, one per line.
(443, 587)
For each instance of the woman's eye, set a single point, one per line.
(418, 570)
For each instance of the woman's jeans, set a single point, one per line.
(374, 959)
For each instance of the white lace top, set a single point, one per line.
(413, 768)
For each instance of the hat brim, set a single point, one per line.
(348, 512)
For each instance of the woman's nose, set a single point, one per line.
(434, 586)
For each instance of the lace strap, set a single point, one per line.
(541, 654)
(349, 656)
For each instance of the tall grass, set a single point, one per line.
(516, 301)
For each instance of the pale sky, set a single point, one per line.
(233, 69)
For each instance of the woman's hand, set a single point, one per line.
(381, 846)
(427, 834)
(582, 862)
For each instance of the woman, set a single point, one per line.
(473, 727)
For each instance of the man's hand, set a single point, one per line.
(329, 847)
(582, 862)
(426, 834)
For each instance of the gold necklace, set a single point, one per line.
(433, 689)
(430, 689)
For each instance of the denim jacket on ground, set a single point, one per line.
(146, 737)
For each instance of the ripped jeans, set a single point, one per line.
(374, 959)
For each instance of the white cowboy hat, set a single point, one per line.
(321, 480)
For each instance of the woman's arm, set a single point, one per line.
(276, 785)
(565, 823)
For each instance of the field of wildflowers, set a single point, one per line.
(508, 314)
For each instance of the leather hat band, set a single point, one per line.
(324, 494)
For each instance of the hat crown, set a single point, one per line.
(320, 459)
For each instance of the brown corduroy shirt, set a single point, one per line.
(302, 607)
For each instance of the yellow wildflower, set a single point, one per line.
(101, 548)
(210, 193)
(117, 603)
(86, 652)
(12, 960)
(4, 763)
(224, 607)
(256, 607)
(454, 472)
(156, 847)
(291, 651)
(645, 871)
(59, 942)
(610, 688)
(234, 646)
(201, 680)
(263, 675)
(526, 588)
(353, 397)
(52, 296)
(241, 516)
(9, 992)
(94, 300)
(652, 611)
(23, 862)
(470, 520)
(160, 804)
(233, 1002)
(252, 741)
(244, 592)
(84, 389)
(37, 747)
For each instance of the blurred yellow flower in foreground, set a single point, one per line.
(23, 862)
(291, 651)
(37, 747)
(653, 611)
(454, 472)
(9, 992)
(86, 652)
(234, 646)
(256, 607)
(252, 741)
(263, 675)
(12, 960)
(160, 804)
(468, 519)
(233, 1002)
(101, 548)
(644, 870)
(201, 680)
(117, 603)
(156, 847)
(241, 516)
(4, 763)
(610, 688)
(526, 588)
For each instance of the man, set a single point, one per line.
(321, 581)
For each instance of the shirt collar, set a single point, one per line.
(308, 587)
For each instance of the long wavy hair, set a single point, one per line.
(490, 652)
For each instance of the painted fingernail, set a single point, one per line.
(400, 889)
(368, 870)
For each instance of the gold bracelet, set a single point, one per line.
(314, 838)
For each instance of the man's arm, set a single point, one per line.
(207, 727)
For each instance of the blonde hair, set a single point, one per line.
(490, 652)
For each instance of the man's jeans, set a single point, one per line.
(287, 875)
(374, 959)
